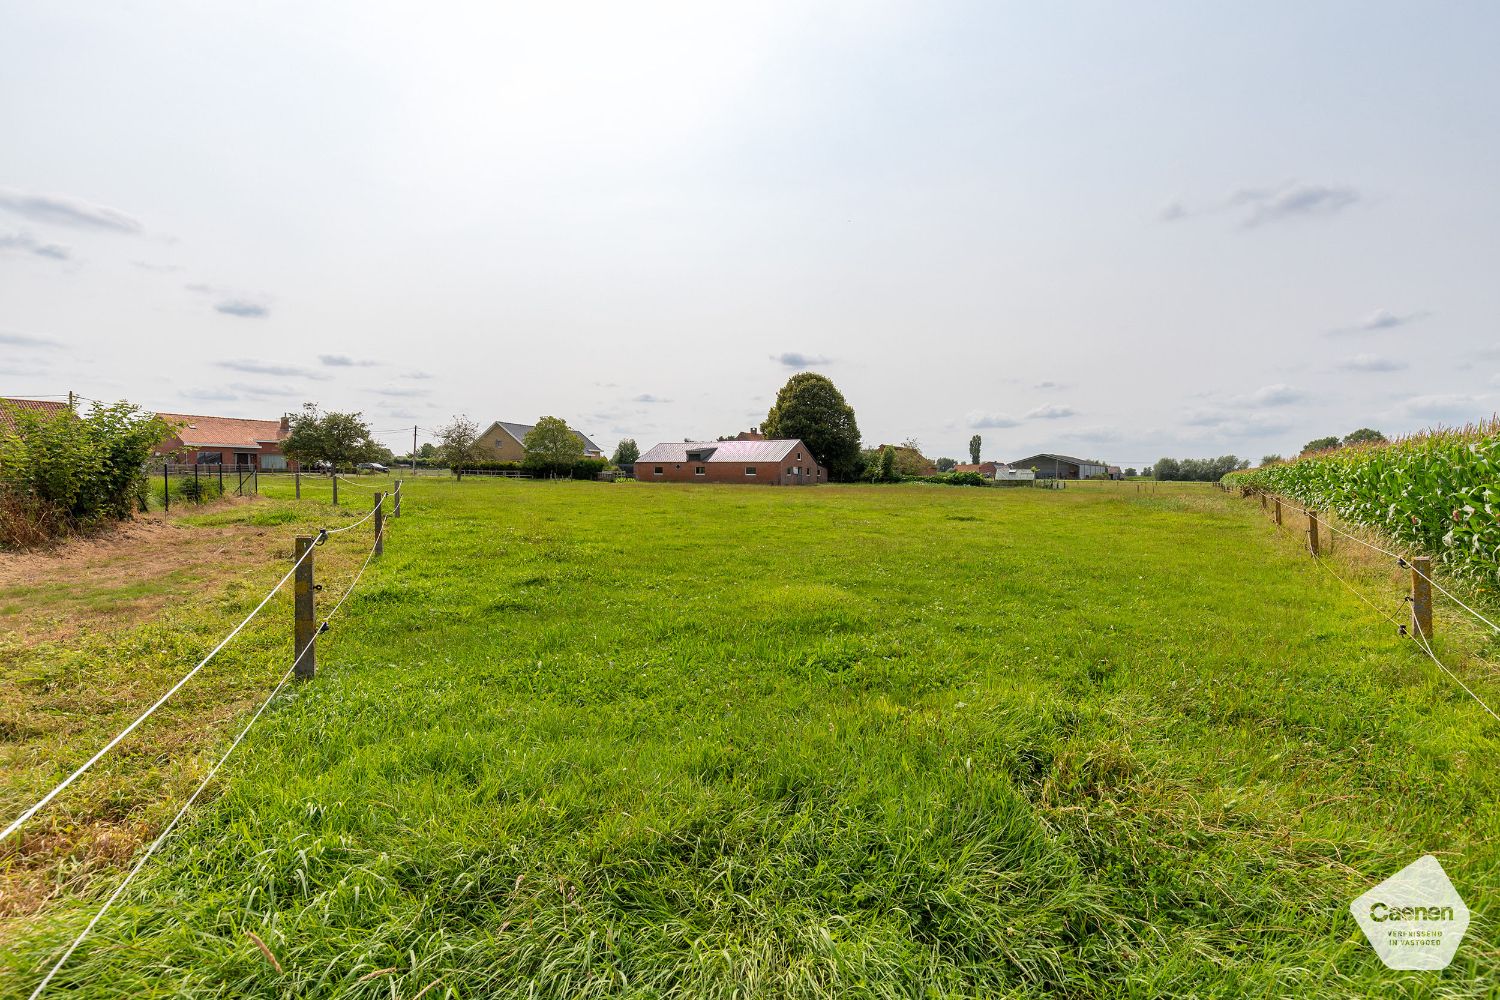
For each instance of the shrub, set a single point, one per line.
(1438, 491)
(957, 479)
(62, 472)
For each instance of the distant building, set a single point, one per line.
(503, 441)
(985, 469)
(1048, 466)
(764, 462)
(237, 441)
(45, 406)
(753, 434)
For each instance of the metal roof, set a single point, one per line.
(721, 451)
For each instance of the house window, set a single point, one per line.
(657, 471)
(749, 470)
(699, 470)
(210, 458)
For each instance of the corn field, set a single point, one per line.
(1438, 491)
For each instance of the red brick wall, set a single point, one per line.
(766, 473)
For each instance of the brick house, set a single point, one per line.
(503, 441)
(46, 406)
(767, 463)
(232, 441)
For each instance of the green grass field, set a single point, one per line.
(576, 739)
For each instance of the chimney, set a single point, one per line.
(286, 425)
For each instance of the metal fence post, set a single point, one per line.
(297, 478)
(380, 524)
(1421, 595)
(221, 479)
(304, 627)
(197, 486)
(1312, 530)
(166, 486)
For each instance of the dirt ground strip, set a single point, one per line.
(124, 575)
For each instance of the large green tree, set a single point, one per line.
(552, 447)
(810, 407)
(626, 452)
(340, 439)
(1365, 435)
(974, 449)
(1320, 444)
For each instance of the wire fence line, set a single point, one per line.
(57, 790)
(207, 779)
(1415, 631)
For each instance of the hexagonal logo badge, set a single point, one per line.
(1414, 919)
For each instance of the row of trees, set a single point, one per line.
(1197, 470)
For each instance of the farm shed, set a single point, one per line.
(1049, 466)
(785, 462)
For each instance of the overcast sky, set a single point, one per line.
(1112, 230)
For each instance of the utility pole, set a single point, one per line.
(414, 449)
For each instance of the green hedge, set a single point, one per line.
(585, 468)
(1439, 492)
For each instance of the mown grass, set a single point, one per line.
(578, 739)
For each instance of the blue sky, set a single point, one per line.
(1113, 230)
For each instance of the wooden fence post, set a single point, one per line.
(397, 511)
(1421, 595)
(304, 627)
(1276, 506)
(379, 524)
(335, 487)
(297, 478)
(1262, 501)
(1312, 530)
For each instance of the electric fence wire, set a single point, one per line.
(350, 527)
(161, 838)
(17, 823)
(1421, 640)
(1415, 633)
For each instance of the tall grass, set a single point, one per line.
(1438, 491)
(712, 742)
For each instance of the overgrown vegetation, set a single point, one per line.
(62, 472)
(1438, 491)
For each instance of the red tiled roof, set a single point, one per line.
(228, 432)
(30, 405)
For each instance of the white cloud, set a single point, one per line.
(1051, 411)
(980, 419)
(62, 210)
(796, 359)
(1371, 363)
(1278, 394)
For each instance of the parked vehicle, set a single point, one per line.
(371, 467)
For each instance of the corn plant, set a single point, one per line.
(1438, 492)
